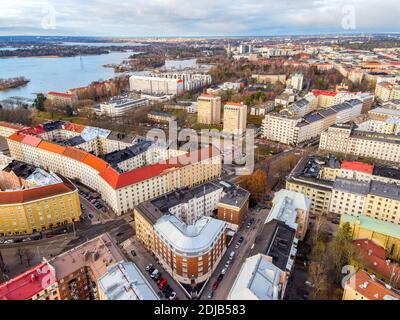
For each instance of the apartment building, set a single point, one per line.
(94, 270)
(292, 208)
(190, 252)
(235, 118)
(32, 200)
(258, 279)
(269, 78)
(326, 99)
(386, 91)
(162, 117)
(156, 85)
(364, 286)
(349, 187)
(289, 128)
(61, 99)
(7, 129)
(209, 109)
(124, 281)
(120, 190)
(347, 139)
(120, 106)
(191, 81)
(296, 81)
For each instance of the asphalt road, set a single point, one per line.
(241, 254)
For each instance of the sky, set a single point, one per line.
(151, 18)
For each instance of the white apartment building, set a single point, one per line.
(386, 91)
(292, 130)
(296, 81)
(120, 106)
(346, 139)
(156, 85)
(191, 81)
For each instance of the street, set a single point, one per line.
(249, 235)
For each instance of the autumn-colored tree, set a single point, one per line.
(255, 183)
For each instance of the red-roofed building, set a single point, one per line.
(372, 258)
(38, 283)
(61, 99)
(324, 93)
(362, 286)
(357, 166)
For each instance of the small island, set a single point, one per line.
(13, 83)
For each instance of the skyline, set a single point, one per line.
(176, 18)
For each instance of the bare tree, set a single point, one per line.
(317, 275)
(318, 227)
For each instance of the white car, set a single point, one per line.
(9, 241)
(223, 271)
(227, 264)
(172, 296)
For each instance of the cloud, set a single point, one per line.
(195, 17)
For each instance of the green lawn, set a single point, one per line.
(42, 116)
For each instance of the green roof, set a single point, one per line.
(383, 227)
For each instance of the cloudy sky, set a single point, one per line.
(196, 17)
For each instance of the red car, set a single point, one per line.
(163, 283)
(215, 285)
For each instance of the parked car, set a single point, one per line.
(241, 239)
(232, 255)
(210, 294)
(215, 285)
(154, 273)
(220, 277)
(151, 269)
(238, 245)
(157, 277)
(133, 253)
(148, 267)
(172, 296)
(26, 239)
(227, 264)
(162, 283)
(223, 271)
(9, 241)
(166, 288)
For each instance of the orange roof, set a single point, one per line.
(120, 180)
(52, 147)
(74, 127)
(357, 166)
(31, 140)
(207, 95)
(95, 162)
(370, 288)
(11, 125)
(75, 153)
(17, 137)
(233, 104)
(33, 194)
(60, 94)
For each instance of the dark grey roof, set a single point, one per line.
(313, 117)
(118, 156)
(386, 190)
(21, 169)
(53, 125)
(171, 199)
(353, 186)
(118, 136)
(327, 112)
(73, 141)
(387, 172)
(275, 240)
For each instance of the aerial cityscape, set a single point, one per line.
(159, 151)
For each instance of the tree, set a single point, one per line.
(341, 250)
(38, 103)
(255, 183)
(317, 275)
(319, 225)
